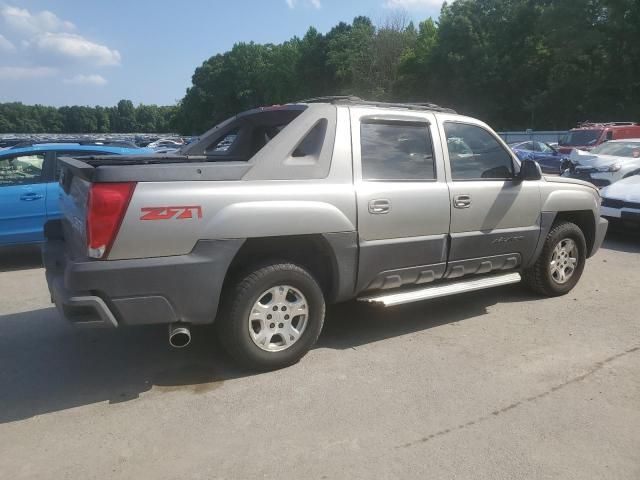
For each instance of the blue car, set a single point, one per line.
(549, 158)
(29, 188)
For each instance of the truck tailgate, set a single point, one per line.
(78, 176)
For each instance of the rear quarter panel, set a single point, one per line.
(242, 209)
(231, 210)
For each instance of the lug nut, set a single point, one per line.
(286, 317)
(275, 308)
(284, 309)
(281, 325)
(273, 325)
(269, 317)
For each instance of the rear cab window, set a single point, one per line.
(240, 138)
(223, 144)
(396, 151)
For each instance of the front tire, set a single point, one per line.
(271, 317)
(561, 263)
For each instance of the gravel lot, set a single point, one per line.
(490, 385)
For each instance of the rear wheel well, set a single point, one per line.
(311, 252)
(585, 221)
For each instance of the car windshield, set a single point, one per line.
(522, 146)
(619, 149)
(578, 138)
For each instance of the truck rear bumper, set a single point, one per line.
(183, 288)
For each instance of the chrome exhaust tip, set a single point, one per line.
(179, 335)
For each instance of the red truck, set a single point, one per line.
(589, 135)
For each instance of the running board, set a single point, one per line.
(435, 291)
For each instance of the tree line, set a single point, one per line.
(123, 118)
(541, 64)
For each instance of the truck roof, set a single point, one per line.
(357, 101)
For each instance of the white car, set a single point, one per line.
(621, 202)
(165, 143)
(607, 163)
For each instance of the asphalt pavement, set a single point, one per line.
(498, 384)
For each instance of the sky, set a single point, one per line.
(96, 52)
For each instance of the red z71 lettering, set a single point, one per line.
(167, 213)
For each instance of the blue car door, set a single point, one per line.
(547, 157)
(53, 187)
(22, 198)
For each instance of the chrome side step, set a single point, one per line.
(435, 291)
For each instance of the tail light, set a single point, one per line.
(107, 205)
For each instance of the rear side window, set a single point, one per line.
(475, 154)
(223, 144)
(21, 170)
(396, 151)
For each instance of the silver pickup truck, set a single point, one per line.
(280, 210)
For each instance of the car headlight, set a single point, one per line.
(610, 168)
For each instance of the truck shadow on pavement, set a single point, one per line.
(621, 241)
(20, 258)
(48, 366)
(353, 324)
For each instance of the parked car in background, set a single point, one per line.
(548, 157)
(607, 163)
(10, 142)
(621, 203)
(166, 143)
(589, 135)
(29, 188)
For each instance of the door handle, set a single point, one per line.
(462, 201)
(30, 197)
(380, 206)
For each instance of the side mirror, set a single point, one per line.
(530, 170)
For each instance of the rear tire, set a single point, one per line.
(271, 316)
(561, 262)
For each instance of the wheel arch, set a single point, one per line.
(585, 220)
(330, 258)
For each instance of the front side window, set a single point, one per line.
(475, 154)
(544, 148)
(396, 151)
(579, 138)
(21, 170)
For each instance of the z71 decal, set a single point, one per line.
(168, 213)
